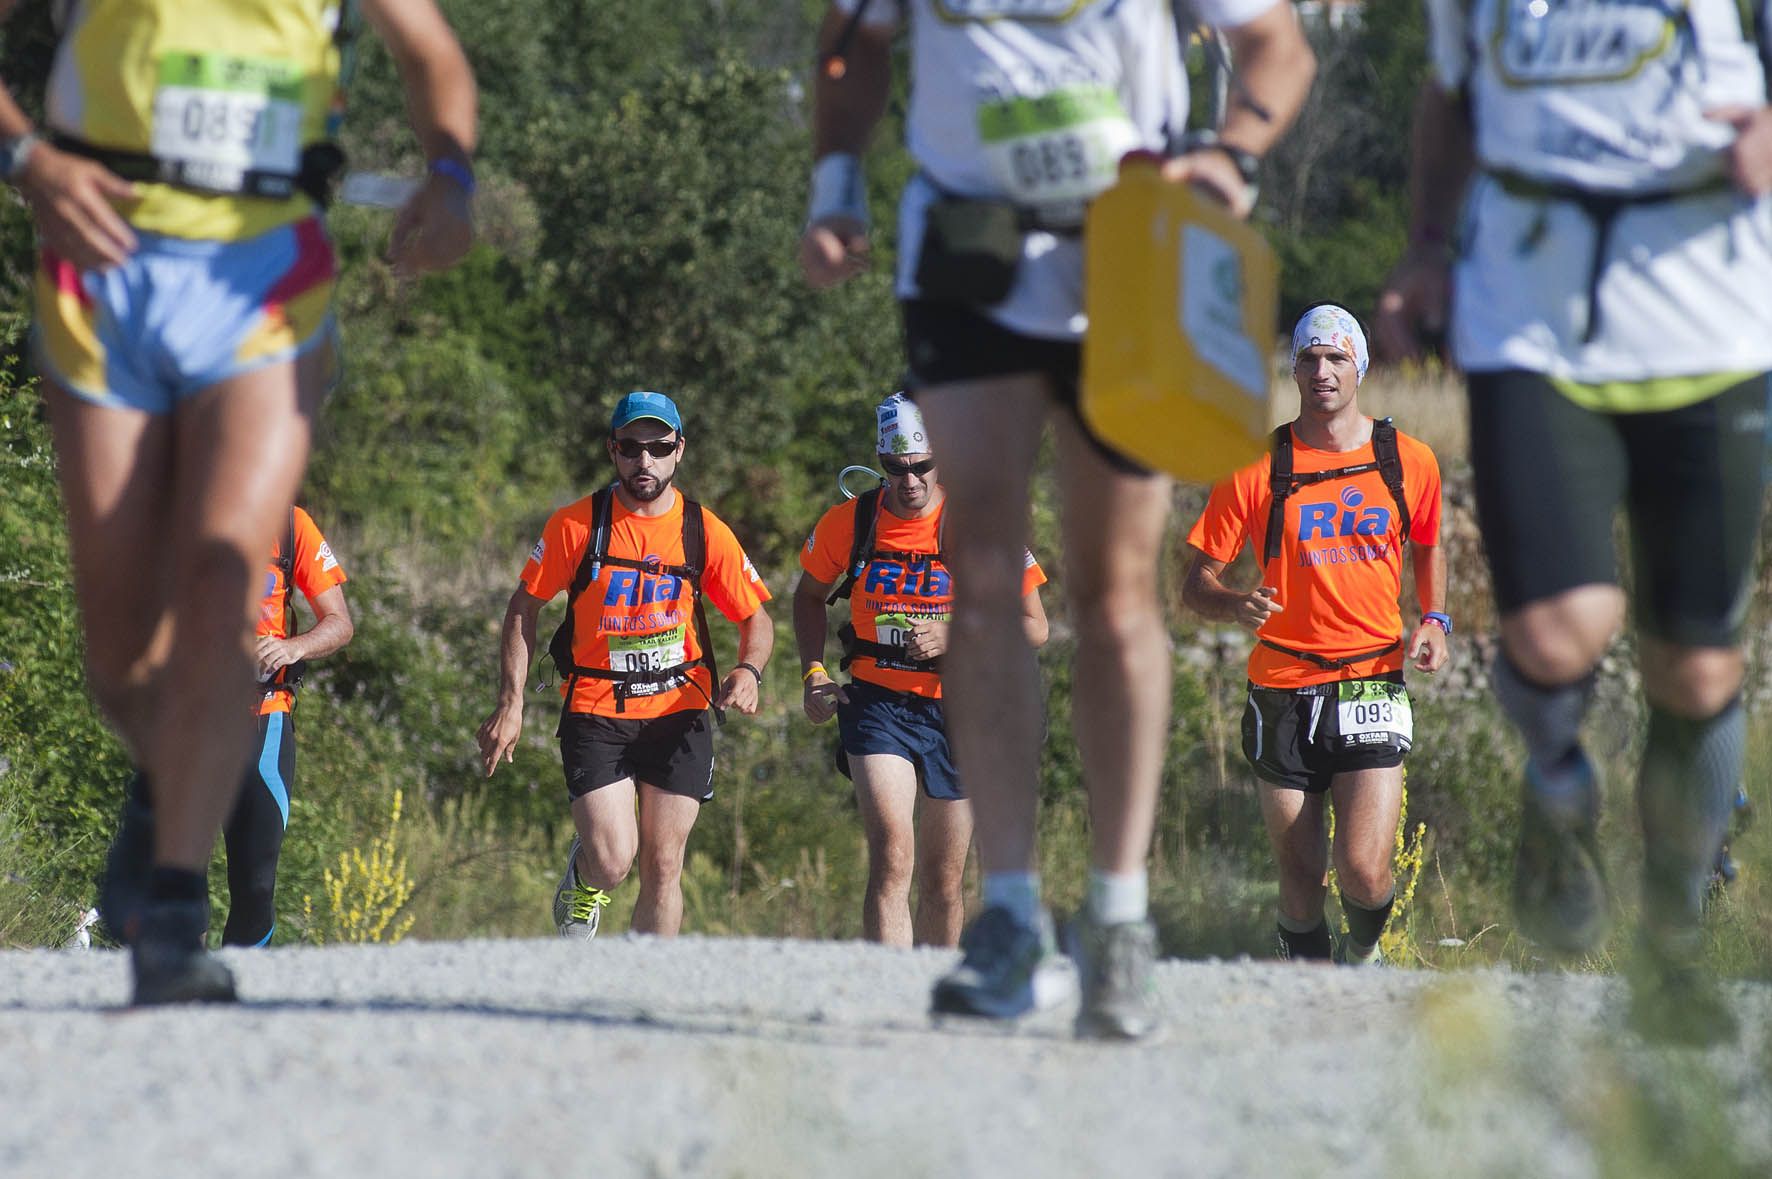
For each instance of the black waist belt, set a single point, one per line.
(626, 681)
(881, 652)
(1602, 209)
(320, 162)
(1328, 664)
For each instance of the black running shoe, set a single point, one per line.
(170, 963)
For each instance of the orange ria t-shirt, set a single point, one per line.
(315, 571)
(891, 594)
(630, 618)
(1340, 567)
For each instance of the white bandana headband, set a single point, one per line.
(901, 427)
(1333, 327)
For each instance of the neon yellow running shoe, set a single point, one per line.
(578, 907)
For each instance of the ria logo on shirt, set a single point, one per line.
(1343, 516)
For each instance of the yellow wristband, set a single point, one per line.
(815, 669)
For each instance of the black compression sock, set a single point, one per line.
(1365, 926)
(1305, 944)
(177, 884)
(1685, 795)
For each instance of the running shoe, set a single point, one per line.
(1008, 969)
(1344, 956)
(169, 961)
(578, 907)
(124, 885)
(1559, 889)
(1114, 965)
(1673, 998)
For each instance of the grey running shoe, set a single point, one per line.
(1673, 999)
(169, 961)
(1114, 967)
(1559, 890)
(1009, 969)
(578, 907)
(1345, 956)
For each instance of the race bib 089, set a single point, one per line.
(220, 116)
(1374, 712)
(653, 652)
(1059, 149)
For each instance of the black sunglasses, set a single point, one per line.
(901, 469)
(633, 448)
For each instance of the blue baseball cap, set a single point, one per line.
(639, 405)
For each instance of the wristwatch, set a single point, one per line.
(1248, 163)
(15, 153)
(1443, 621)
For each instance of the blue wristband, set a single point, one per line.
(456, 171)
(1444, 621)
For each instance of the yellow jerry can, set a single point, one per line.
(1181, 299)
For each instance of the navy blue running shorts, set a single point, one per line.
(878, 720)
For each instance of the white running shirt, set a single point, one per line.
(1608, 96)
(1036, 101)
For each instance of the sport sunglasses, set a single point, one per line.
(633, 448)
(901, 469)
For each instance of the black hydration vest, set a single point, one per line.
(597, 555)
(1283, 482)
(862, 553)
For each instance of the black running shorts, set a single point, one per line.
(949, 342)
(1300, 738)
(674, 752)
(1551, 475)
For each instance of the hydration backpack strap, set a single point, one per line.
(695, 563)
(589, 565)
(1390, 468)
(1280, 486)
(867, 519)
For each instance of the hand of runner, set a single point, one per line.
(274, 655)
(1430, 647)
(739, 690)
(1414, 299)
(1257, 606)
(822, 696)
(1212, 172)
(71, 199)
(433, 230)
(1750, 156)
(498, 736)
(833, 251)
(929, 639)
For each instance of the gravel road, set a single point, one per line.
(718, 1057)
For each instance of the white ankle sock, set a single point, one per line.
(1115, 898)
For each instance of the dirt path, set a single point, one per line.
(713, 1057)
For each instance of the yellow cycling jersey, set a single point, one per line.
(222, 87)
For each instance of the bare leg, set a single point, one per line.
(1368, 804)
(944, 833)
(608, 833)
(886, 790)
(1300, 839)
(665, 822)
(1113, 537)
(988, 435)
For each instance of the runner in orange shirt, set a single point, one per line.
(893, 737)
(253, 834)
(636, 667)
(1327, 711)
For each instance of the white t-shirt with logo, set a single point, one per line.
(1609, 97)
(1035, 101)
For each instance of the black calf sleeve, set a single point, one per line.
(1365, 926)
(1305, 944)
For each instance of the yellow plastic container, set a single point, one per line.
(1181, 299)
